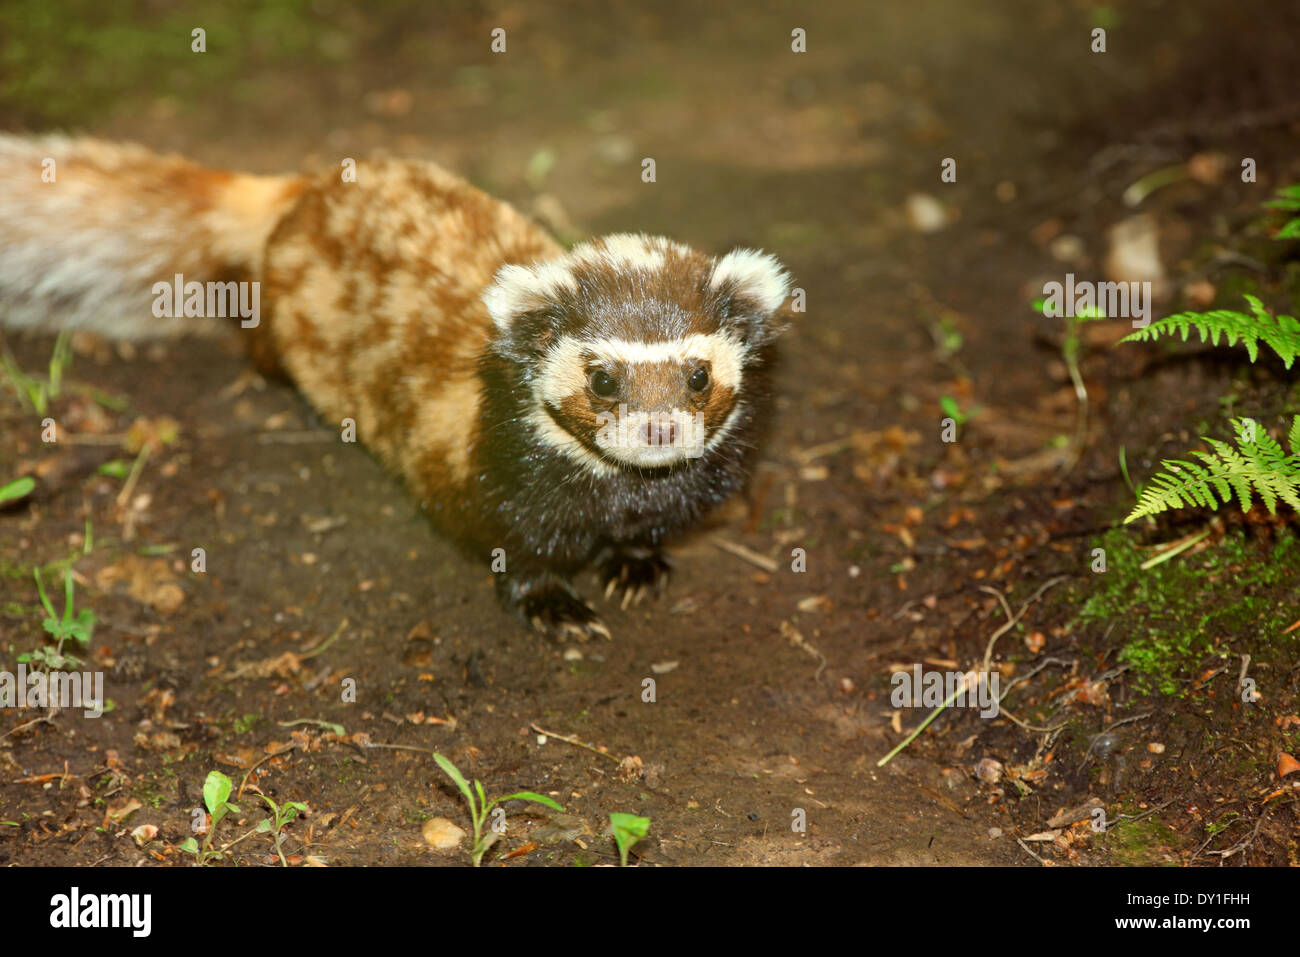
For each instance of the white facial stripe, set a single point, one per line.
(757, 274)
(563, 369)
(724, 354)
(722, 431)
(549, 432)
(563, 372)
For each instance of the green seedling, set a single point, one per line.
(16, 490)
(78, 627)
(1071, 347)
(116, 468)
(627, 830)
(479, 809)
(281, 815)
(216, 794)
(34, 392)
(954, 411)
(1289, 200)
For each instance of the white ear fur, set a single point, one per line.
(757, 275)
(520, 289)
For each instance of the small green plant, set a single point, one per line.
(216, 794)
(1071, 348)
(1280, 333)
(1288, 198)
(77, 627)
(1257, 466)
(627, 830)
(948, 339)
(485, 837)
(34, 392)
(281, 815)
(16, 490)
(954, 411)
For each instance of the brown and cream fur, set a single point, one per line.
(477, 358)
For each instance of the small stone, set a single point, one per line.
(1066, 248)
(924, 213)
(1134, 253)
(1200, 293)
(441, 834)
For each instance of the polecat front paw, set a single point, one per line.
(554, 609)
(635, 571)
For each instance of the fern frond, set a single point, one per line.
(1258, 465)
(1280, 333)
(1289, 200)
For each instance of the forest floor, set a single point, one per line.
(773, 685)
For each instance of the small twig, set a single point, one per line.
(934, 713)
(47, 718)
(1004, 713)
(137, 467)
(1011, 622)
(1025, 677)
(768, 565)
(812, 453)
(227, 846)
(1240, 847)
(569, 739)
(1025, 848)
(1129, 720)
(274, 754)
(401, 747)
(324, 644)
(1133, 818)
(1174, 549)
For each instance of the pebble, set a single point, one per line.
(441, 833)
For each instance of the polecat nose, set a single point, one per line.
(659, 432)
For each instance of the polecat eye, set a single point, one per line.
(603, 384)
(699, 380)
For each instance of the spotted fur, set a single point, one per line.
(571, 408)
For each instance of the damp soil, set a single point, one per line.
(333, 641)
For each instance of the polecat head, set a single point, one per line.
(635, 348)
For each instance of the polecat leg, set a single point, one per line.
(635, 570)
(547, 603)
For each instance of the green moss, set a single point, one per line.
(1171, 616)
(64, 61)
(1139, 842)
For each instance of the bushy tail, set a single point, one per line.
(88, 227)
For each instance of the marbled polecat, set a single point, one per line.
(569, 408)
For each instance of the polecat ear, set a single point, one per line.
(522, 301)
(751, 285)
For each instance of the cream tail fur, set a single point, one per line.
(88, 227)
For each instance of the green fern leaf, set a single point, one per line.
(1280, 333)
(1258, 465)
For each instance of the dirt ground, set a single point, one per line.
(773, 687)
